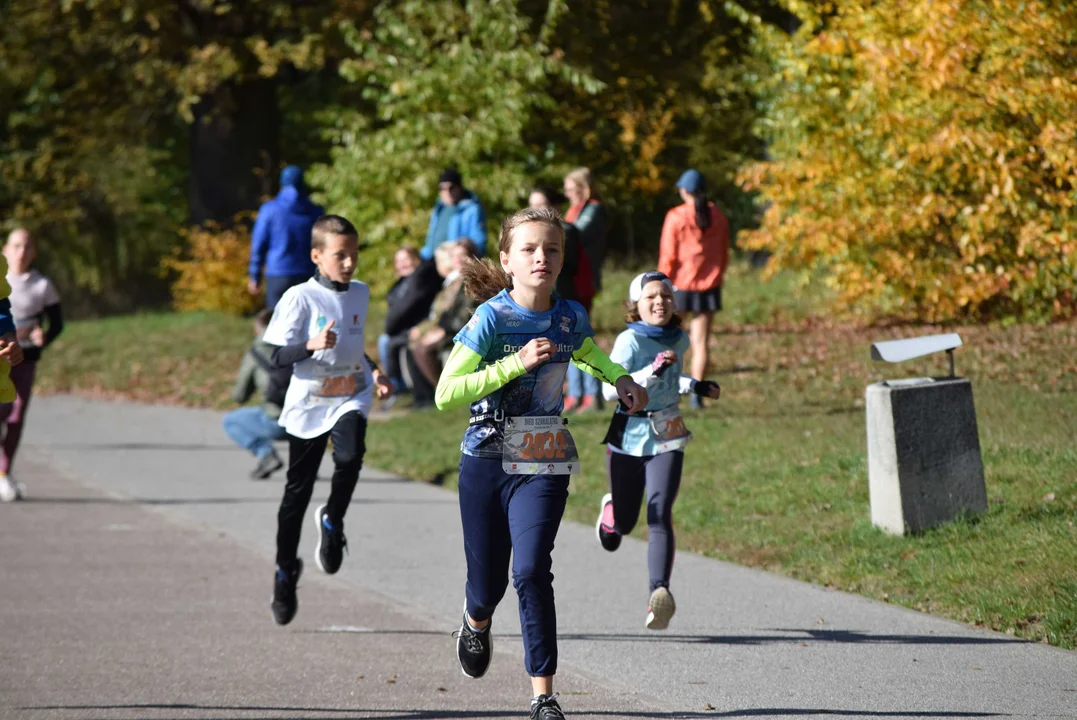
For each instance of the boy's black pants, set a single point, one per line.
(304, 458)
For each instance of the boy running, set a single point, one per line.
(318, 327)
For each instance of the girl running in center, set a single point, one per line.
(645, 450)
(510, 362)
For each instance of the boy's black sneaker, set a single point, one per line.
(545, 707)
(268, 465)
(331, 543)
(285, 602)
(474, 649)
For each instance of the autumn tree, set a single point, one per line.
(923, 157)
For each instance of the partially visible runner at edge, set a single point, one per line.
(34, 300)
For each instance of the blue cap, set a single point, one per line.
(692, 181)
(291, 176)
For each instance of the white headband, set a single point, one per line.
(635, 288)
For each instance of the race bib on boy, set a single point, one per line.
(539, 446)
(669, 430)
(331, 384)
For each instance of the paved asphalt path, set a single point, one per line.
(136, 582)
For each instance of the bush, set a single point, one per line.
(211, 272)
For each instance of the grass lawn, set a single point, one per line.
(776, 477)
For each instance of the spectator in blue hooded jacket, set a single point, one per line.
(457, 215)
(280, 242)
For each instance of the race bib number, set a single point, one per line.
(331, 386)
(539, 445)
(669, 430)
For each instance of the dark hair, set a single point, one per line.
(553, 196)
(328, 225)
(261, 320)
(482, 278)
(703, 210)
(451, 175)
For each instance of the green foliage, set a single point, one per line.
(449, 84)
(95, 96)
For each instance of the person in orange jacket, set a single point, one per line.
(694, 254)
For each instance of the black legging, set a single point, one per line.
(304, 459)
(660, 475)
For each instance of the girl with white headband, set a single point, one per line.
(645, 450)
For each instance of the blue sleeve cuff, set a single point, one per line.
(7, 324)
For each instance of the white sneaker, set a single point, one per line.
(660, 609)
(9, 489)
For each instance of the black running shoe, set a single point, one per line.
(473, 649)
(268, 465)
(545, 707)
(285, 602)
(604, 528)
(331, 543)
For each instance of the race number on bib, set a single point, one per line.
(539, 445)
(669, 430)
(327, 386)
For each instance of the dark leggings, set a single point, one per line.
(660, 476)
(304, 459)
(513, 516)
(13, 415)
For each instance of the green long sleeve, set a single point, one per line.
(596, 363)
(461, 382)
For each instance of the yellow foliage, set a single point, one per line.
(924, 158)
(211, 272)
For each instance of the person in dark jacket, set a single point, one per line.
(406, 261)
(542, 197)
(256, 427)
(588, 215)
(280, 241)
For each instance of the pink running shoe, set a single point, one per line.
(604, 528)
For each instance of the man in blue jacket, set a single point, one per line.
(280, 242)
(457, 214)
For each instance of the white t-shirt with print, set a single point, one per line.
(331, 382)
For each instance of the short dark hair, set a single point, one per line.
(330, 225)
(451, 175)
(261, 320)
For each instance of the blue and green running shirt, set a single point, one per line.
(485, 369)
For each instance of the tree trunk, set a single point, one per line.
(234, 150)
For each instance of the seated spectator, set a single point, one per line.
(450, 312)
(405, 262)
(255, 428)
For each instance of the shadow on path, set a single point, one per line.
(389, 714)
(794, 636)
